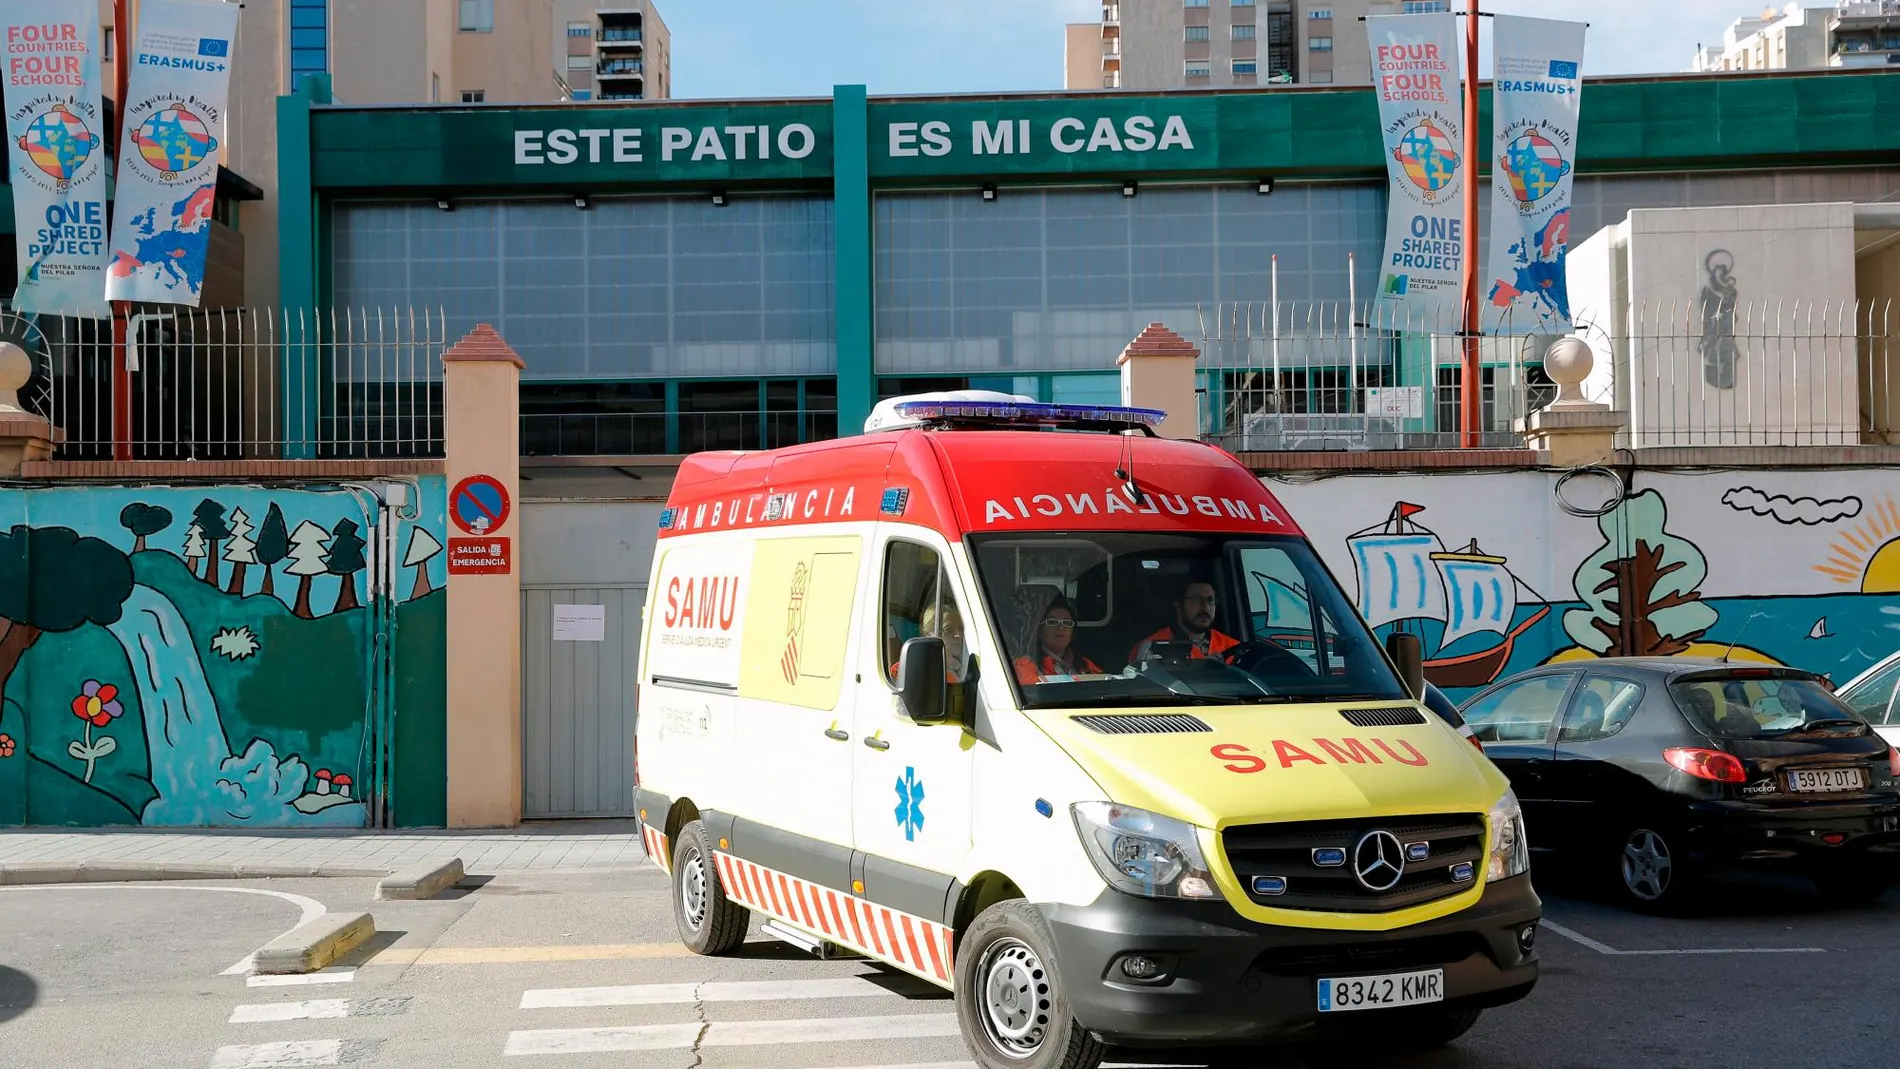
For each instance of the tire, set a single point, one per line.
(1011, 1006)
(709, 922)
(1650, 872)
(1850, 887)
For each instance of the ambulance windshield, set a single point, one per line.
(1109, 618)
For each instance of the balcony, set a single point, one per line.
(1112, 80)
(631, 94)
(620, 68)
(620, 37)
(1111, 14)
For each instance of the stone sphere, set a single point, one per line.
(1569, 361)
(16, 367)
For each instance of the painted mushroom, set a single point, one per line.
(342, 784)
(323, 781)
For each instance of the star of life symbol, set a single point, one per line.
(910, 804)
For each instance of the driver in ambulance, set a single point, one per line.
(1193, 623)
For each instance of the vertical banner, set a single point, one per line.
(1415, 71)
(168, 154)
(56, 141)
(1535, 104)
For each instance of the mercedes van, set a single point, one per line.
(1070, 720)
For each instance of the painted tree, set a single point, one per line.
(194, 546)
(241, 551)
(210, 519)
(346, 559)
(144, 521)
(423, 548)
(273, 545)
(51, 579)
(307, 546)
(1641, 587)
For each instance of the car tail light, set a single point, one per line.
(1472, 738)
(1707, 764)
(1893, 762)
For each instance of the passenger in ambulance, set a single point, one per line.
(1048, 637)
(955, 650)
(1194, 609)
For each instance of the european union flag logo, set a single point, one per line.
(1563, 68)
(213, 46)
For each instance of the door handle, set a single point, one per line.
(837, 733)
(876, 743)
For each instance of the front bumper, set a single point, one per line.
(1232, 981)
(1735, 834)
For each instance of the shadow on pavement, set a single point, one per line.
(18, 993)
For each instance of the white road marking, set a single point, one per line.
(1606, 949)
(314, 1010)
(279, 1055)
(729, 1034)
(312, 909)
(321, 976)
(739, 991)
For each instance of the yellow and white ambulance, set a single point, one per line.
(1070, 720)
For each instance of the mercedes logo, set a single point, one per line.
(1378, 861)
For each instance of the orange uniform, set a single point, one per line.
(1217, 643)
(1028, 672)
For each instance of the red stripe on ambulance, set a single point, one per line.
(925, 947)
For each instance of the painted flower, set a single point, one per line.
(98, 703)
(6, 746)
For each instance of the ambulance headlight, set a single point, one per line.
(1510, 850)
(1144, 853)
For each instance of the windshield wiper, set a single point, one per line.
(1291, 699)
(1123, 700)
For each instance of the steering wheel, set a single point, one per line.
(1267, 660)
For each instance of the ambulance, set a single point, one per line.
(1070, 720)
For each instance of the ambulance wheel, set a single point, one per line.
(1011, 1007)
(708, 921)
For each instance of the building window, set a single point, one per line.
(477, 16)
(1242, 3)
(1245, 66)
(579, 63)
(1194, 3)
(1320, 44)
(1198, 70)
(1197, 33)
(580, 29)
(309, 38)
(105, 36)
(1320, 13)
(1244, 32)
(474, 96)
(435, 88)
(1427, 7)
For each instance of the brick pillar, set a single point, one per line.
(1158, 372)
(23, 436)
(481, 430)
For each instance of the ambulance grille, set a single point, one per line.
(1288, 856)
(1391, 716)
(1142, 723)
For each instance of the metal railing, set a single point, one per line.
(621, 66)
(241, 384)
(1338, 375)
(1715, 372)
(647, 433)
(620, 35)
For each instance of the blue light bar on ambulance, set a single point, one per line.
(1026, 413)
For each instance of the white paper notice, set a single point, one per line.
(580, 623)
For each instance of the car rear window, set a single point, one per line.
(1749, 708)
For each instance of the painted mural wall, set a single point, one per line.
(207, 656)
(1800, 568)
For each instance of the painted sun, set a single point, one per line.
(1867, 554)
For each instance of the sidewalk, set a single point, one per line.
(171, 853)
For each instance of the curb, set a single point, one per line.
(423, 880)
(37, 872)
(309, 947)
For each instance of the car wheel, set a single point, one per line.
(1651, 874)
(708, 921)
(1850, 887)
(1011, 1007)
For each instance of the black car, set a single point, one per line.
(1654, 772)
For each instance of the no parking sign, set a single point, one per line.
(479, 505)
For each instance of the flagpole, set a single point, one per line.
(1470, 405)
(121, 374)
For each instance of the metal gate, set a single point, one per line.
(583, 582)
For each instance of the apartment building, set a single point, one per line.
(415, 52)
(1850, 33)
(1167, 44)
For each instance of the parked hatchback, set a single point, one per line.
(1655, 772)
(1874, 695)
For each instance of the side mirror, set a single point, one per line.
(921, 683)
(1408, 653)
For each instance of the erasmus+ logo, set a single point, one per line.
(1563, 69)
(213, 46)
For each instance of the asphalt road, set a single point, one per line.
(584, 970)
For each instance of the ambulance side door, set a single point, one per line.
(911, 782)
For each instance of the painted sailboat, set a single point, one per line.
(1408, 576)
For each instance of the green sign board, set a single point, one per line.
(1277, 133)
(572, 146)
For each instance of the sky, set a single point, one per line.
(755, 48)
